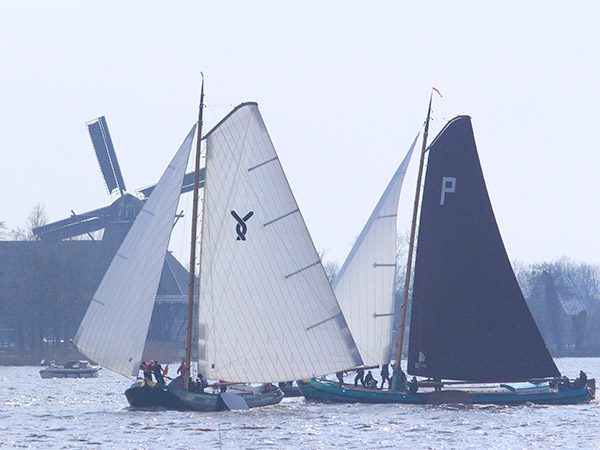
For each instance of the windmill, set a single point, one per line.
(167, 326)
(116, 218)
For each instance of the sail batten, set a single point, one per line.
(364, 285)
(469, 320)
(262, 283)
(107, 333)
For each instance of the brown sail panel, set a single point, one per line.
(469, 319)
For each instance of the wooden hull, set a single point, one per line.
(59, 372)
(291, 391)
(150, 395)
(328, 391)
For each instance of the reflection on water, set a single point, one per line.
(91, 413)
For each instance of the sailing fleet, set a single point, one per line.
(266, 312)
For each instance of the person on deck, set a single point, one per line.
(201, 383)
(181, 368)
(564, 384)
(340, 377)
(146, 367)
(267, 388)
(399, 379)
(581, 381)
(222, 386)
(413, 386)
(385, 376)
(370, 381)
(157, 370)
(360, 376)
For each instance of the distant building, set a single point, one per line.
(560, 313)
(45, 289)
(46, 284)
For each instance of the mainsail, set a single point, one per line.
(266, 309)
(114, 329)
(364, 285)
(469, 319)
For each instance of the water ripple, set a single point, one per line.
(93, 413)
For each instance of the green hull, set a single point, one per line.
(150, 395)
(328, 391)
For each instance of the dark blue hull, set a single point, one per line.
(328, 391)
(150, 395)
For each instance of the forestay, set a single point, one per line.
(267, 311)
(364, 285)
(469, 318)
(114, 329)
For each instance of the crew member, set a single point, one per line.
(370, 382)
(157, 370)
(360, 376)
(413, 386)
(385, 375)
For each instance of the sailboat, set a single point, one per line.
(266, 309)
(365, 284)
(471, 333)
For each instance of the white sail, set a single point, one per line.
(364, 285)
(266, 309)
(114, 329)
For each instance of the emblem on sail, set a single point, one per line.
(241, 228)
(448, 187)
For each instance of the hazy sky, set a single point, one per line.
(342, 86)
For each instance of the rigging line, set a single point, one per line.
(281, 217)
(263, 163)
(323, 321)
(302, 269)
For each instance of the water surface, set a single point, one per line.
(93, 413)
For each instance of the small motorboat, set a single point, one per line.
(71, 369)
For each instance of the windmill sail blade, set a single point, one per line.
(186, 186)
(107, 334)
(72, 226)
(469, 318)
(105, 152)
(267, 311)
(364, 285)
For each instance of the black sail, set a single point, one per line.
(469, 319)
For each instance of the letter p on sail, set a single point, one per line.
(448, 187)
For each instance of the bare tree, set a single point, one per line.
(331, 267)
(331, 270)
(36, 218)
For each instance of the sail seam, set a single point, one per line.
(383, 315)
(122, 256)
(303, 269)
(383, 265)
(98, 301)
(147, 212)
(263, 163)
(387, 216)
(281, 217)
(323, 321)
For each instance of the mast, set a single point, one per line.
(192, 277)
(411, 244)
